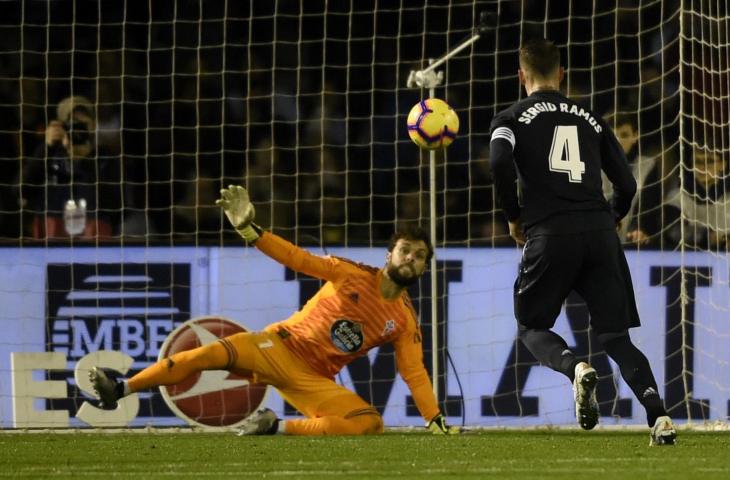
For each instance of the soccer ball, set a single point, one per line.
(432, 124)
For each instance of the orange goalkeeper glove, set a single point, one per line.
(438, 426)
(240, 212)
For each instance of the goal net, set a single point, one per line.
(121, 121)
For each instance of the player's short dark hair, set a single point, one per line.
(540, 56)
(412, 232)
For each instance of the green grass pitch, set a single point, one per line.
(503, 454)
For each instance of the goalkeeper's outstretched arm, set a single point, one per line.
(240, 211)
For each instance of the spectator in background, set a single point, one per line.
(68, 186)
(642, 223)
(704, 201)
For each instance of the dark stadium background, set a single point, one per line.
(214, 91)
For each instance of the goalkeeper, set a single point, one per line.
(359, 308)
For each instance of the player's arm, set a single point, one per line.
(409, 360)
(501, 156)
(240, 212)
(614, 163)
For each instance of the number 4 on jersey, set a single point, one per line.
(565, 153)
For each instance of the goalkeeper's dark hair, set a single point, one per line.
(539, 56)
(412, 232)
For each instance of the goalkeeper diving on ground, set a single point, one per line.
(359, 308)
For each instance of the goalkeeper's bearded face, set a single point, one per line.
(407, 262)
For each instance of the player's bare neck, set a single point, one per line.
(542, 87)
(545, 88)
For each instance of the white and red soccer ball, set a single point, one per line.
(432, 124)
(212, 398)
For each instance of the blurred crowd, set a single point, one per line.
(130, 135)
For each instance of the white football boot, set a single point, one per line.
(584, 391)
(663, 432)
(261, 422)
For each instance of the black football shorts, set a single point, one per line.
(592, 263)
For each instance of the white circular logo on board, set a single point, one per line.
(211, 398)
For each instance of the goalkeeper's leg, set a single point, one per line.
(331, 409)
(346, 414)
(219, 355)
(178, 367)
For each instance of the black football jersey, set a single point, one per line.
(558, 149)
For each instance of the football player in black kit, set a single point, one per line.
(557, 150)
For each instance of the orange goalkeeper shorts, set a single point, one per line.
(264, 356)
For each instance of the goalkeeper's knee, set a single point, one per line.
(368, 424)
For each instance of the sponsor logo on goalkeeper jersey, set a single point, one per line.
(212, 398)
(347, 335)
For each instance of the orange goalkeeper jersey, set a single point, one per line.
(347, 317)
